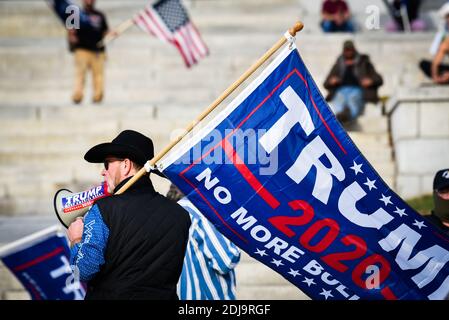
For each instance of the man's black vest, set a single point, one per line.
(148, 235)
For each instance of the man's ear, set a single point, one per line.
(126, 166)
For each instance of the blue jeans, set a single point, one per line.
(350, 97)
(330, 26)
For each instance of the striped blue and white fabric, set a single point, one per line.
(208, 270)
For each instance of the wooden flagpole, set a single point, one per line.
(293, 30)
(115, 33)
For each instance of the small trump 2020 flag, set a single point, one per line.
(40, 262)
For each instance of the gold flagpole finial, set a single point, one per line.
(296, 28)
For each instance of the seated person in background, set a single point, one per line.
(351, 82)
(336, 16)
(208, 269)
(443, 29)
(435, 69)
(405, 15)
(440, 214)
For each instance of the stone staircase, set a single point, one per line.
(38, 60)
(43, 136)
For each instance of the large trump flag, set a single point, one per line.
(278, 175)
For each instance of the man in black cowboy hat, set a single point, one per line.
(440, 213)
(132, 245)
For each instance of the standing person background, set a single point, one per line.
(132, 245)
(88, 56)
(351, 82)
(208, 272)
(405, 11)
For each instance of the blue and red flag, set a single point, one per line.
(41, 263)
(278, 175)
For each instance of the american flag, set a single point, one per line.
(168, 21)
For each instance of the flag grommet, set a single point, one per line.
(290, 39)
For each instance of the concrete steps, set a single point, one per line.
(132, 78)
(235, 32)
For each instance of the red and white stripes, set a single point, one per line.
(186, 38)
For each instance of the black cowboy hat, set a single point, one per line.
(128, 144)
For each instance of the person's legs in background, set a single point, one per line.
(416, 23)
(348, 26)
(355, 101)
(328, 26)
(395, 24)
(98, 76)
(81, 66)
(426, 67)
(338, 103)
